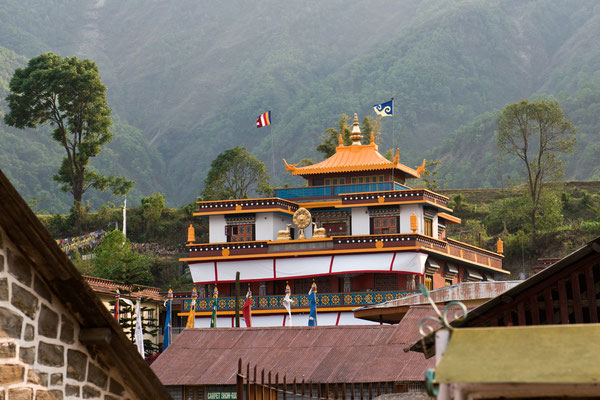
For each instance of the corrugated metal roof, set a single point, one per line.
(328, 354)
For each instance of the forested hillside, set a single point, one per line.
(187, 80)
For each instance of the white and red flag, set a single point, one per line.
(263, 119)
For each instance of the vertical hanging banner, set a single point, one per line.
(247, 309)
(167, 331)
(287, 303)
(312, 297)
(117, 297)
(192, 314)
(213, 318)
(139, 330)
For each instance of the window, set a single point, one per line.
(428, 227)
(327, 182)
(382, 225)
(240, 233)
(447, 282)
(193, 393)
(342, 181)
(429, 281)
(318, 182)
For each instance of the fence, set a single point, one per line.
(273, 389)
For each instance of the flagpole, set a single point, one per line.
(393, 150)
(272, 149)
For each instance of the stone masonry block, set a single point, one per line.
(76, 364)
(11, 373)
(3, 287)
(29, 333)
(27, 355)
(71, 391)
(48, 394)
(11, 323)
(8, 350)
(20, 394)
(19, 267)
(56, 379)
(48, 322)
(42, 289)
(90, 393)
(51, 354)
(24, 300)
(67, 331)
(37, 377)
(96, 376)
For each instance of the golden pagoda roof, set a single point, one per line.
(355, 157)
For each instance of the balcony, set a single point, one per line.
(332, 192)
(301, 301)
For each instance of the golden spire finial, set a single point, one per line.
(372, 141)
(397, 157)
(356, 134)
(341, 140)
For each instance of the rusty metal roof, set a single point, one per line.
(327, 354)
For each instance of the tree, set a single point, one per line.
(331, 138)
(234, 174)
(536, 132)
(67, 94)
(114, 260)
(152, 208)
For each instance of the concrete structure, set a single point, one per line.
(375, 239)
(57, 340)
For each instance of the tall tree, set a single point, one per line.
(152, 208)
(67, 94)
(234, 174)
(536, 132)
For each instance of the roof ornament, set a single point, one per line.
(372, 139)
(341, 141)
(420, 168)
(356, 134)
(289, 167)
(397, 157)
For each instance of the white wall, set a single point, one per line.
(280, 222)
(264, 226)
(216, 229)
(360, 221)
(405, 213)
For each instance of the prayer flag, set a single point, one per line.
(287, 303)
(263, 119)
(192, 314)
(139, 332)
(312, 297)
(167, 331)
(384, 109)
(117, 296)
(247, 309)
(213, 318)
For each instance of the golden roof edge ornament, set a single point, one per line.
(420, 168)
(289, 167)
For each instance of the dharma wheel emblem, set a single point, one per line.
(302, 219)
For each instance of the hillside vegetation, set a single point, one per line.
(187, 80)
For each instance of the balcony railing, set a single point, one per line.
(301, 301)
(335, 190)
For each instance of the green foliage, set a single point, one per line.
(536, 132)
(68, 95)
(235, 174)
(114, 260)
(152, 208)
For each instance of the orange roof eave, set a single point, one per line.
(350, 159)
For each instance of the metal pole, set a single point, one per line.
(237, 299)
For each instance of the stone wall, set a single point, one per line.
(40, 354)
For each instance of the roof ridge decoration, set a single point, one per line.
(354, 158)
